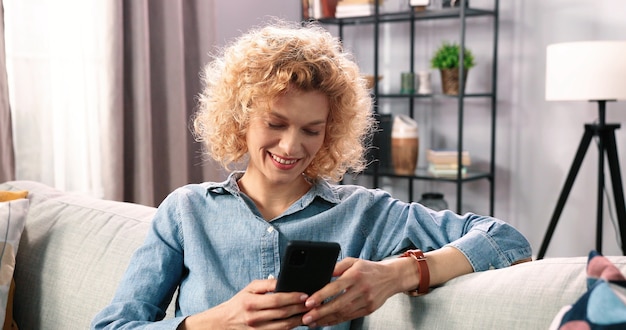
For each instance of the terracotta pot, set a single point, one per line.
(450, 81)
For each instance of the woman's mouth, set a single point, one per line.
(283, 161)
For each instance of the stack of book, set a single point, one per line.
(446, 162)
(354, 8)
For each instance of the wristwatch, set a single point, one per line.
(422, 268)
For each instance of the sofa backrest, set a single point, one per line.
(72, 255)
(75, 249)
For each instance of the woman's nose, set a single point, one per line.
(290, 142)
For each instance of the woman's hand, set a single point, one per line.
(362, 287)
(253, 308)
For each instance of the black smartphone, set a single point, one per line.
(307, 266)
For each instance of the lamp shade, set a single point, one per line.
(586, 70)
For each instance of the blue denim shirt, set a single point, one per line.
(209, 241)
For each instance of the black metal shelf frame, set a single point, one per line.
(461, 14)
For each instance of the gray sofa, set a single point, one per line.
(74, 249)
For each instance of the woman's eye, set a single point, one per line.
(274, 125)
(280, 126)
(311, 132)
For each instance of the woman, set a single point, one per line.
(289, 103)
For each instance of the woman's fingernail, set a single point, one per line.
(307, 319)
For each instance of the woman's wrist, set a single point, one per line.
(447, 263)
(187, 323)
(197, 321)
(443, 264)
(405, 274)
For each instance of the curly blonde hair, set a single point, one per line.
(266, 63)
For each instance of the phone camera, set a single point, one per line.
(298, 258)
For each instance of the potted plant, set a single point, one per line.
(446, 59)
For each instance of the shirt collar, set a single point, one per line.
(321, 188)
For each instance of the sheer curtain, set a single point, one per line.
(59, 67)
(102, 91)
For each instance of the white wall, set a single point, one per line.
(235, 16)
(544, 136)
(536, 139)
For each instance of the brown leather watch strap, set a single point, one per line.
(422, 268)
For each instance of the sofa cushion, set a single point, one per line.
(525, 296)
(74, 251)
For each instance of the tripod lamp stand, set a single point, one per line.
(590, 71)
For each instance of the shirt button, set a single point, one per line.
(270, 229)
(271, 277)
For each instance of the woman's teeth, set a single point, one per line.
(283, 161)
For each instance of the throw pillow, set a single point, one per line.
(603, 306)
(13, 208)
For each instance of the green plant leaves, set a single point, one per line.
(447, 57)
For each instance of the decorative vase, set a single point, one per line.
(424, 83)
(450, 81)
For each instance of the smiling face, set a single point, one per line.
(283, 141)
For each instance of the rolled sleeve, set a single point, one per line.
(492, 243)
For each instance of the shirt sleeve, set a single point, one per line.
(151, 279)
(487, 242)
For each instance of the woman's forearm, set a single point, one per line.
(443, 265)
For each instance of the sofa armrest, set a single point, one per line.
(525, 296)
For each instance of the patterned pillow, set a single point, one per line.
(13, 208)
(603, 306)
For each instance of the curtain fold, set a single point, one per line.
(165, 45)
(7, 155)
